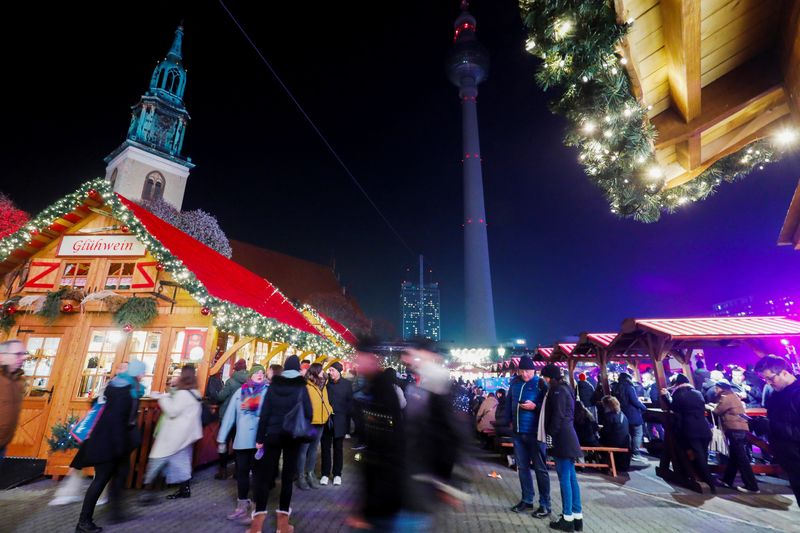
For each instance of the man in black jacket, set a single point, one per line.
(783, 412)
(340, 394)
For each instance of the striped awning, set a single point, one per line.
(545, 351)
(540, 364)
(602, 339)
(722, 327)
(566, 348)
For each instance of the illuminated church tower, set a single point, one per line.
(148, 165)
(467, 66)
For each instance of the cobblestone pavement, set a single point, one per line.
(636, 502)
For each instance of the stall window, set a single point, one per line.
(120, 276)
(262, 349)
(145, 346)
(39, 365)
(75, 275)
(99, 361)
(189, 347)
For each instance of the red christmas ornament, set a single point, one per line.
(125, 229)
(93, 194)
(127, 328)
(34, 232)
(67, 308)
(159, 266)
(10, 310)
(205, 311)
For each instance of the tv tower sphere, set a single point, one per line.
(468, 58)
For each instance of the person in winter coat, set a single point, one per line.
(693, 434)
(615, 432)
(284, 393)
(322, 411)
(523, 410)
(585, 426)
(109, 446)
(730, 410)
(556, 424)
(245, 407)
(12, 390)
(391, 374)
(502, 425)
(234, 383)
(485, 416)
(633, 409)
(176, 432)
(340, 394)
(783, 412)
(585, 393)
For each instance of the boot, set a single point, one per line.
(258, 522)
(183, 491)
(222, 472)
(87, 526)
(312, 481)
(242, 510)
(283, 522)
(302, 483)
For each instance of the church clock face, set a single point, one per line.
(163, 133)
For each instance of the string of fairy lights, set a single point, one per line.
(578, 43)
(228, 317)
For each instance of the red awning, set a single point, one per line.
(722, 327)
(545, 351)
(566, 348)
(339, 328)
(603, 339)
(222, 278)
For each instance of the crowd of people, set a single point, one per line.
(410, 434)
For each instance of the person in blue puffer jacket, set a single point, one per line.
(525, 395)
(633, 409)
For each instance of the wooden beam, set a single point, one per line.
(790, 54)
(790, 232)
(742, 87)
(229, 353)
(681, 27)
(765, 131)
(688, 152)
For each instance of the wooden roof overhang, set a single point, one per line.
(790, 232)
(717, 75)
(562, 351)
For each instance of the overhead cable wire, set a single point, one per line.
(316, 129)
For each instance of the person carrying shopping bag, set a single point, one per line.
(243, 410)
(322, 411)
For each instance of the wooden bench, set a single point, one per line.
(612, 465)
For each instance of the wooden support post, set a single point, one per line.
(602, 359)
(571, 369)
(681, 28)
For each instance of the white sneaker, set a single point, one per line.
(64, 500)
(337, 480)
(323, 480)
(102, 500)
(740, 489)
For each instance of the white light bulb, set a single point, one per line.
(786, 137)
(589, 128)
(654, 172)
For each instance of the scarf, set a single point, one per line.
(251, 395)
(122, 379)
(541, 436)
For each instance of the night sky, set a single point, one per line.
(372, 76)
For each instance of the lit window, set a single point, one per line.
(120, 276)
(75, 275)
(145, 346)
(39, 365)
(99, 361)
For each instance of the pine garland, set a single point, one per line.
(61, 440)
(137, 312)
(578, 42)
(228, 317)
(8, 314)
(51, 308)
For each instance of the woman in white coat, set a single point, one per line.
(177, 430)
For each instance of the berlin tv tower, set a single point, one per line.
(467, 66)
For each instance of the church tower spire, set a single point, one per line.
(148, 165)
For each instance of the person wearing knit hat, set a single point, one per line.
(633, 409)
(522, 407)
(234, 383)
(585, 391)
(283, 395)
(245, 407)
(692, 433)
(731, 413)
(340, 394)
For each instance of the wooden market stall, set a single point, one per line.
(678, 338)
(594, 347)
(96, 280)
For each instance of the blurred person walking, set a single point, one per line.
(340, 394)
(246, 405)
(109, 446)
(12, 390)
(556, 423)
(783, 412)
(730, 411)
(321, 414)
(234, 383)
(284, 393)
(523, 409)
(178, 428)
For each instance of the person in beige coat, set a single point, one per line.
(485, 415)
(12, 390)
(178, 429)
(730, 410)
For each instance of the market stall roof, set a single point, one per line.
(544, 352)
(590, 344)
(561, 351)
(790, 232)
(686, 333)
(716, 75)
(222, 277)
(340, 328)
